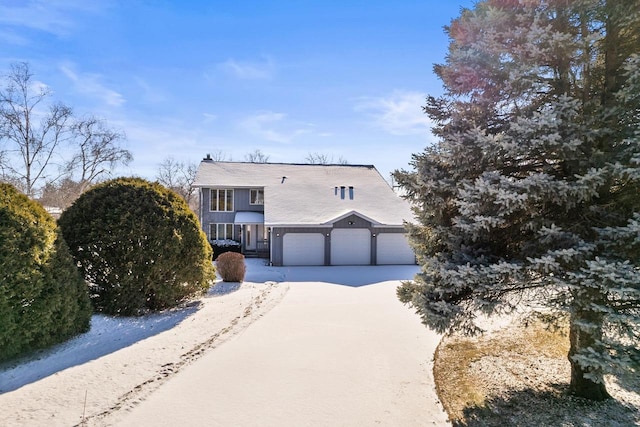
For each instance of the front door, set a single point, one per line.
(254, 237)
(250, 235)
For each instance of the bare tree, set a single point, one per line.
(220, 156)
(98, 151)
(256, 156)
(31, 131)
(324, 159)
(60, 194)
(179, 177)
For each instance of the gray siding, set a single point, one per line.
(242, 200)
(240, 203)
(277, 234)
(356, 222)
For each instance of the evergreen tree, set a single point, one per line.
(43, 299)
(138, 245)
(532, 194)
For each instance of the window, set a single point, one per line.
(221, 200)
(220, 231)
(257, 197)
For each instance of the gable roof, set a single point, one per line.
(305, 194)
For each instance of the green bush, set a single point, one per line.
(231, 266)
(138, 245)
(43, 299)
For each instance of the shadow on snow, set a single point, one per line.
(110, 334)
(555, 407)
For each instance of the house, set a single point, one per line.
(304, 214)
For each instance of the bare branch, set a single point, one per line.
(256, 156)
(31, 141)
(179, 177)
(98, 151)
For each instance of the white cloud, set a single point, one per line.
(398, 114)
(272, 126)
(149, 94)
(11, 37)
(209, 117)
(51, 16)
(89, 84)
(261, 70)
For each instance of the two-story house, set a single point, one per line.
(303, 214)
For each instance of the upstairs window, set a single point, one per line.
(257, 197)
(221, 200)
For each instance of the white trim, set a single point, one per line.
(225, 224)
(217, 189)
(352, 212)
(394, 249)
(303, 249)
(262, 201)
(248, 217)
(351, 246)
(274, 225)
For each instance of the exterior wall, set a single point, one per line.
(240, 203)
(242, 199)
(352, 221)
(277, 234)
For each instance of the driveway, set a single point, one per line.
(339, 350)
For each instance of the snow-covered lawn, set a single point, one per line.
(325, 353)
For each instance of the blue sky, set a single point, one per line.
(185, 78)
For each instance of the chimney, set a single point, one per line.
(208, 158)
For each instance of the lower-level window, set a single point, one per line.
(221, 231)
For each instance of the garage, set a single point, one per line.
(393, 248)
(303, 249)
(350, 246)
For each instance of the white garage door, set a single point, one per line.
(350, 246)
(303, 249)
(393, 248)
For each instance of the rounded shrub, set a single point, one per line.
(231, 266)
(43, 299)
(138, 245)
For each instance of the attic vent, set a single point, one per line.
(351, 193)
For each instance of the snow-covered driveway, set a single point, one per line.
(327, 355)
(321, 346)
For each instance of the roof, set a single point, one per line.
(248, 218)
(305, 194)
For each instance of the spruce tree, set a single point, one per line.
(531, 197)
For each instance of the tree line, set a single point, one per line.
(46, 150)
(50, 154)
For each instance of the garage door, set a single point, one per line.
(350, 246)
(303, 249)
(393, 248)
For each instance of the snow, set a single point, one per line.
(302, 345)
(308, 194)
